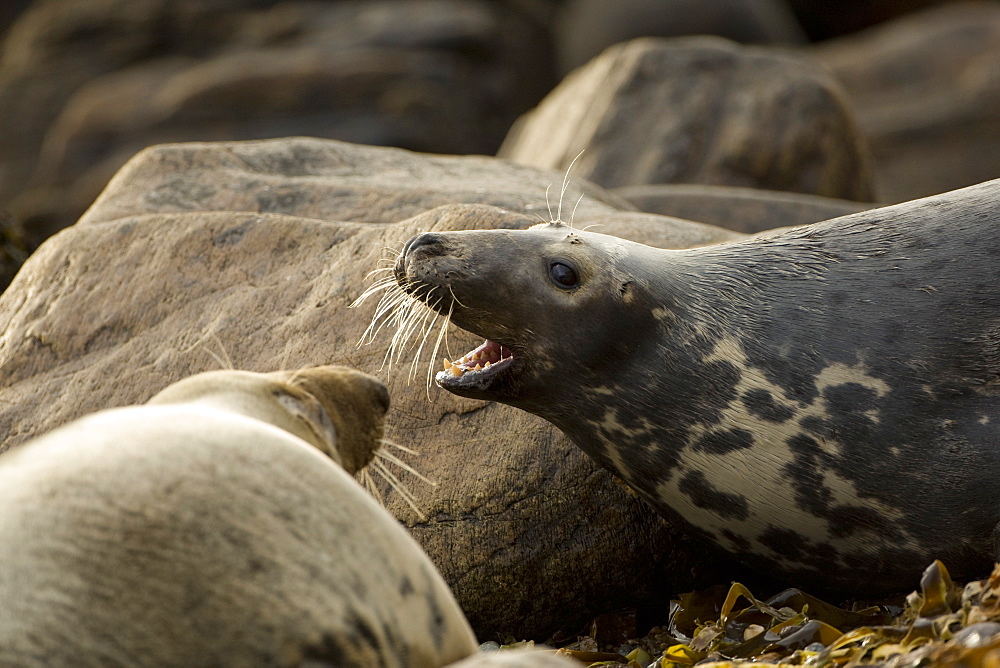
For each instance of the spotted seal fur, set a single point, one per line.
(210, 527)
(823, 402)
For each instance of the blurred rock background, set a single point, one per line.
(85, 84)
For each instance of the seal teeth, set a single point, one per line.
(482, 358)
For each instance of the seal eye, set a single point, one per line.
(563, 275)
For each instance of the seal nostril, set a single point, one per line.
(422, 240)
(381, 394)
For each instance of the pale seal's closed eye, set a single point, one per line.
(210, 527)
(823, 401)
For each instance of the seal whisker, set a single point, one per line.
(412, 318)
(396, 308)
(403, 465)
(394, 482)
(218, 360)
(572, 216)
(565, 186)
(442, 334)
(384, 265)
(369, 484)
(548, 204)
(387, 310)
(229, 366)
(423, 339)
(455, 300)
(399, 315)
(376, 286)
(393, 444)
(416, 320)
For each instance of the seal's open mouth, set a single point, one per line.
(476, 368)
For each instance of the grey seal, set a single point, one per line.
(820, 401)
(218, 524)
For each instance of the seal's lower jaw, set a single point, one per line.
(478, 372)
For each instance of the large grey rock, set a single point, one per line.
(926, 90)
(254, 251)
(698, 110)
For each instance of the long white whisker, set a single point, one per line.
(453, 297)
(548, 205)
(565, 185)
(415, 321)
(406, 467)
(393, 444)
(423, 340)
(218, 360)
(437, 347)
(373, 488)
(400, 488)
(572, 216)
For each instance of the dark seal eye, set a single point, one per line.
(563, 275)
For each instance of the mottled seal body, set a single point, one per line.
(210, 527)
(822, 401)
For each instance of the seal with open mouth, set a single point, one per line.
(822, 401)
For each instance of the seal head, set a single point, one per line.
(330, 407)
(821, 401)
(536, 343)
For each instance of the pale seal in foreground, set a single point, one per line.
(823, 402)
(210, 527)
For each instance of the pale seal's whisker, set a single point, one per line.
(380, 466)
(369, 484)
(404, 493)
(381, 452)
(403, 448)
(221, 361)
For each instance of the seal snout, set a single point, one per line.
(428, 243)
(419, 246)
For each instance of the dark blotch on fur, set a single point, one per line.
(725, 441)
(702, 494)
(761, 404)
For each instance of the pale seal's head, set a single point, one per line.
(208, 527)
(337, 410)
